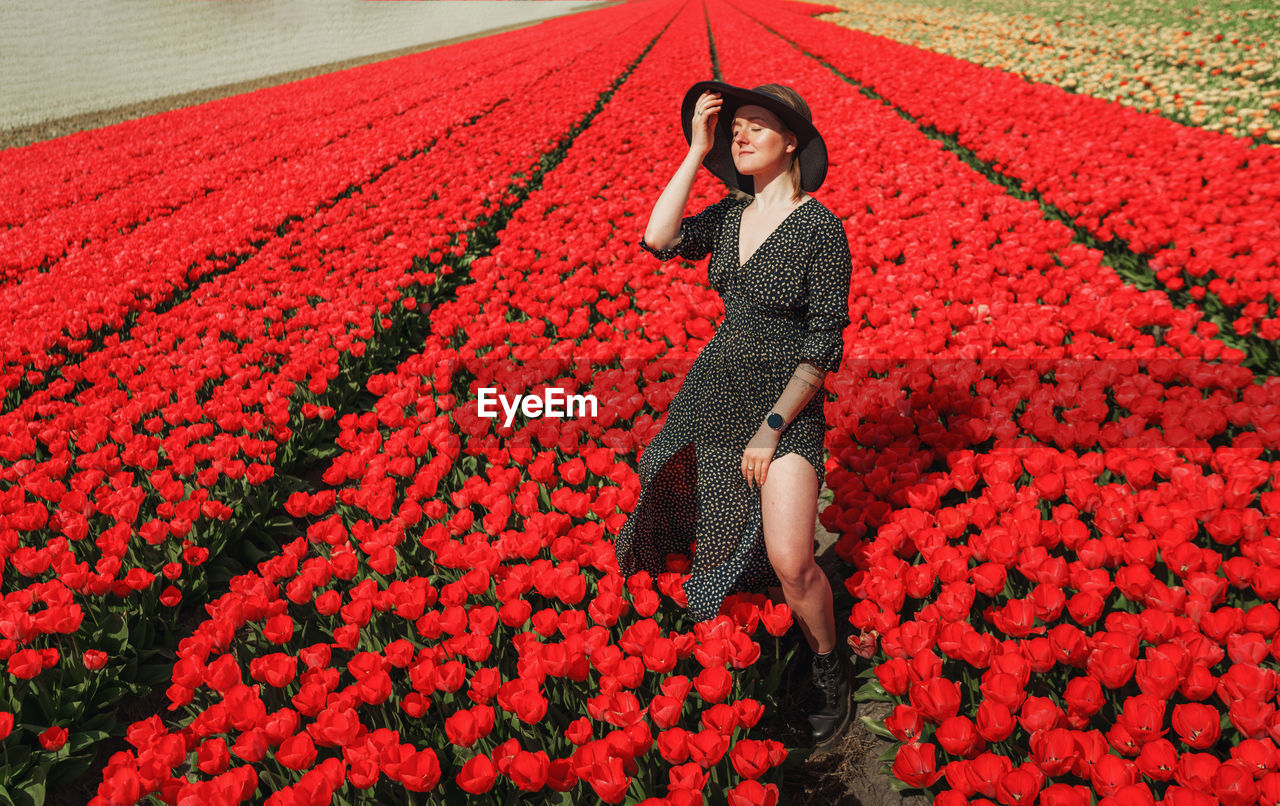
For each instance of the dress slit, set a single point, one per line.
(787, 303)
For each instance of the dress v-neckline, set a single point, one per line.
(737, 235)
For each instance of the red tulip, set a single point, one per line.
(561, 776)
(707, 747)
(915, 766)
(776, 618)
(1110, 773)
(1197, 682)
(676, 686)
(665, 711)
(721, 717)
(1003, 688)
(1158, 758)
(1054, 750)
(1085, 607)
(1061, 794)
(1251, 718)
(957, 736)
(688, 776)
(1143, 717)
(753, 793)
(1234, 784)
(751, 758)
(53, 738)
(713, 684)
(1018, 787)
(213, 757)
(673, 745)
(905, 723)
(1257, 755)
(608, 780)
(467, 726)
(25, 664)
(252, 746)
(893, 676)
(528, 771)
(660, 655)
(1069, 644)
(1157, 677)
(1196, 770)
(994, 722)
(1196, 724)
(936, 699)
(1111, 666)
(477, 775)
(297, 752)
(749, 712)
(579, 731)
(420, 772)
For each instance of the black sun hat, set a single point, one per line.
(811, 148)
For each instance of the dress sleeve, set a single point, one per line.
(697, 234)
(828, 313)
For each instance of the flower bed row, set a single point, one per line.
(95, 185)
(1203, 207)
(155, 457)
(416, 478)
(455, 622)
(209, 148)
(50, 319)
(979, 500)
(1211, 71)
(1061, 532)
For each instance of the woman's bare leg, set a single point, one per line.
(789, 506)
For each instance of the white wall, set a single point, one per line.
(67, 57)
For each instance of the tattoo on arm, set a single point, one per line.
(809, 375)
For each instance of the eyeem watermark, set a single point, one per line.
(552, 403)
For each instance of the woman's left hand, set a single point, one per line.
(758, 454)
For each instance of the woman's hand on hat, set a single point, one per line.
(705, 114)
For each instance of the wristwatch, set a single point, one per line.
(775, 421)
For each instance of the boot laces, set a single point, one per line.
(827, 679)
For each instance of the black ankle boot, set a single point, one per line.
(834, 685)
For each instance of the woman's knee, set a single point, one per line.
(797, 572)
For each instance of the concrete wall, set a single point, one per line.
(60, 58)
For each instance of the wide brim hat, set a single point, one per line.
(811, 148)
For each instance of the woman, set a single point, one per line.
(735, 471)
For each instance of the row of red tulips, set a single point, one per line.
(1201, 205)
(378, 495)
(137, 466)
(217, 148)
(925, 465)
(269, 175)
(233, 353)
(62, 195)
(455, 622)
(1021, 527)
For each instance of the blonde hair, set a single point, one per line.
(792, 99)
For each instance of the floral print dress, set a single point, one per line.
(789, 302)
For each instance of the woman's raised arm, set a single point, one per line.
(663, 230)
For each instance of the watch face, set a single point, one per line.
(775, 420)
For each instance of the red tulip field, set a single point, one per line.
(249, 479)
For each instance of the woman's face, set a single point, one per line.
(759, 142)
